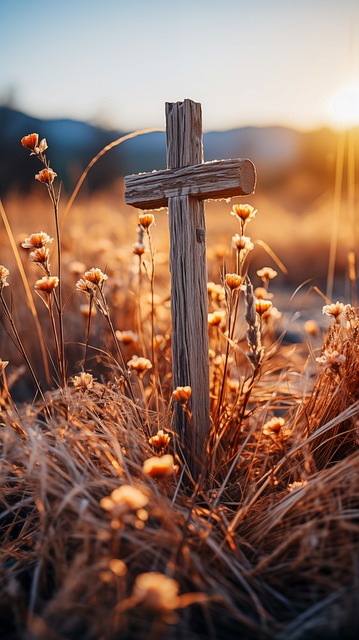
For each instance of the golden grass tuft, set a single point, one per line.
(104, 532)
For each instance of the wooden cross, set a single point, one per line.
(183, 187)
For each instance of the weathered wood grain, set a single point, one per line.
(183, 187)
(207, 181)
(189, 301)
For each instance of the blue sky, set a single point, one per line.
(115, 62)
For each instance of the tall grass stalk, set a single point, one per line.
(337, 204)
(29, 296)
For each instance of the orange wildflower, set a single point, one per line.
(47, 284)
(37, 240)
(85, 286)
(83, 380)
(46, 175)
(262, 294)
(215, 318)
(40, 256)
(159, 467)
(138, 248)
(242, 243)
(156, 592)
(139, 364)
(95, 276)
(146, 220)
(233, 281)
(273, 426)
(244, 212)
(333, 309)
(182, 394)
(127, 337)
(161, 440)
(30, 141)
(267, 273)
(262, 306)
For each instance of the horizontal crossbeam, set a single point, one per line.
(206, 181)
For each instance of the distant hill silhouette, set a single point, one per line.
(278, 152)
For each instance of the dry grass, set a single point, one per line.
(264, 545)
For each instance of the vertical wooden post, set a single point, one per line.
(183, 187)
(189, 299)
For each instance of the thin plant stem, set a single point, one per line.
(29, 297)
(339, 170)
(230, 335)
(108, 147)
(139, 312)
(152, 279)
(54, 330)
(55, 198)
(105, 312)
(88, 331)
(19, 344)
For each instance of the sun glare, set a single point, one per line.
(344, 106)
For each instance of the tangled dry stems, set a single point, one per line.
(264, 545)
(269, 550)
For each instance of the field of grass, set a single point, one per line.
(104, 531)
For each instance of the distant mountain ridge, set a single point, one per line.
(72, 144)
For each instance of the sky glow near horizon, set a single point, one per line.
(249, 62)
